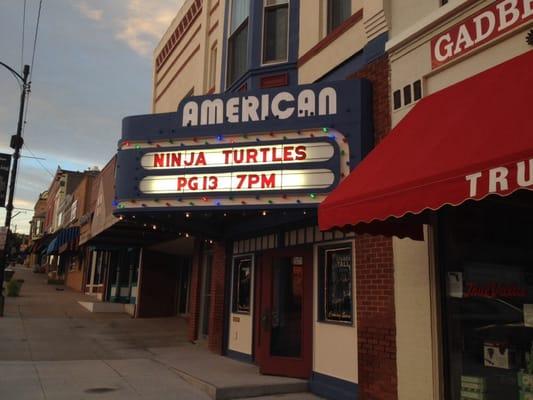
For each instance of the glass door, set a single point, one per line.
(286, 314)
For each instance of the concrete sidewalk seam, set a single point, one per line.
(123, 377)
(40, 381)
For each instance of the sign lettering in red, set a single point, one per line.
(483, 27)
(494, 290)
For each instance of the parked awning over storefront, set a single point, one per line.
(41, 244)
(52, 247)
(467, 141)
(68, 239)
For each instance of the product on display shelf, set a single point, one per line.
(496, 355)
(473, 388)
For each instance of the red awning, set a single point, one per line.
(467, 141)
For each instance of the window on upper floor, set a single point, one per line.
(238, 39)
(275, 30)
(338, 11)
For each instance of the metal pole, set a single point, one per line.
(17, 144)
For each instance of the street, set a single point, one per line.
(52, 348)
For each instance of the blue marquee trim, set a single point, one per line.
(333, 388)
(237, 355)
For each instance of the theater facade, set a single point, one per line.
(257, 117)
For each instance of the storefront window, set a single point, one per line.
(242, 283)
(487, 253)
(335, 277)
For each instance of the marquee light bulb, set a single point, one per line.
(187, 215)
(264, 213)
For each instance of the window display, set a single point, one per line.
(486, 250)
(335, 283)
(242, 281)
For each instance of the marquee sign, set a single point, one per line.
(239, 156)
(239, 181)
(287, 147)
(486, 25)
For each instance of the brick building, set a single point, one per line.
(451, 185)
(37, 233)
(276, 103)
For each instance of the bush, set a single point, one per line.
(13, 288)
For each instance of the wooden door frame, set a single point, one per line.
(307, 311)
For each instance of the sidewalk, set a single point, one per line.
(52, 348)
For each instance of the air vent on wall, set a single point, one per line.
(407, 95)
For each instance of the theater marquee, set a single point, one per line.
(266, 148)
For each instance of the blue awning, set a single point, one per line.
(68, 235)
(52, 247)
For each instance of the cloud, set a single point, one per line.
(145, 22)
(91, 13)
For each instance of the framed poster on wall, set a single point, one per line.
(242, 283)
(335, 277)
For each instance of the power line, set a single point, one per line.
(23, 36)
(35, 38)
(26, 107)
(38, 160)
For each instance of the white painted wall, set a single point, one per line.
(241, 325)
(412, 290)
(334, 346)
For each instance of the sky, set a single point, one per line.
(92, 68)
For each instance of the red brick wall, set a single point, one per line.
(74, 280)
(194, 293)
(375, 272)
(378, 72)
(157, 292)
(216, 314)
(376, 318)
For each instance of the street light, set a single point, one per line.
(16, 144)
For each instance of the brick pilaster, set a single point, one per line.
(376, 318)
(216, 313)
(194, 294)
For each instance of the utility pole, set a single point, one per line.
(16, 144)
